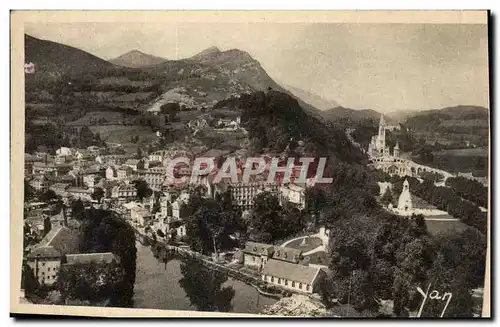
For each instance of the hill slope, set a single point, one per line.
(57, 59)
(137, 59)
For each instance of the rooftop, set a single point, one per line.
(104, 257)
(290, 271)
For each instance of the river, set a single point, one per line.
(158, 286)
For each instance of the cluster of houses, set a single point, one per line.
(282, 266)
(79, 174)
(221, 124)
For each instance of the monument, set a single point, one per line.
(404, 203)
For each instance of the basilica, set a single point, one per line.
(377, 147)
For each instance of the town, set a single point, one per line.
(201, 183)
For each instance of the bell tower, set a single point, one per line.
(381, 134)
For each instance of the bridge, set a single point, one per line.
(404, 167)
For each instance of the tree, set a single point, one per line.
(77, 209)
(143, 190)
(208, 225)
(387, 197)
(98, 194)
(204, 287)
(29, 191)
(315, 199)
(138, 154)
(47, 226)
(48, 196)
(266, 220)
(413, 261)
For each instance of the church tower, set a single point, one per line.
(381, 134)
(404, 203)
(396, 150)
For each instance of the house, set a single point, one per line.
(29, 160)
(157, 156)
(177, 212)
(140, 215)
(111, 173)
(287, 254)
(58, 220)
(91, 181)
(39, 183)
(292, 276)
(60, 188)
(64, 152)
(135, 164)
(257, 254)
(80, 193)
(111, 159)
(243, 194)
(45, 263)
(123, 172)
(294, 194)
(154, 179)
(84, 155)
(125, 191)
(45, 259)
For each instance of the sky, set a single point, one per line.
(385, 67)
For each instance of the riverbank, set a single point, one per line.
(161, 283)
(252, 280)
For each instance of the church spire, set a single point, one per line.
(382, 122)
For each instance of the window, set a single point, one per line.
(43, 264)
(308, 287)
(300, 285)
(286, 282)
(279, 280)
(293, 284)
(272, 279)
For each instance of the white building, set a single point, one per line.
(64, 152)
(405, 203)
(293, 276)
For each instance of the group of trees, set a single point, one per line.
(103, 231)
(383, 257)
(54, 136)
(210, 223)
(204, 287)
(469, 189)
(269, 221)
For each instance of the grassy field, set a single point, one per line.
(470, 152)
(318, 258)
(444, 227)
(122, 134)
(108, 116)
(311, 243)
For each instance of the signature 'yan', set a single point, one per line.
(434, 295)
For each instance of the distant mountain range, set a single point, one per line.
(210, 76)
(137, 59)
(458, 112)
(201, 81)
(57, 59)
(312, 98)
(352, 115)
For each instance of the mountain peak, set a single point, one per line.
(207, 53)
(137, 59)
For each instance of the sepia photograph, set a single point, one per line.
(283, 164)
